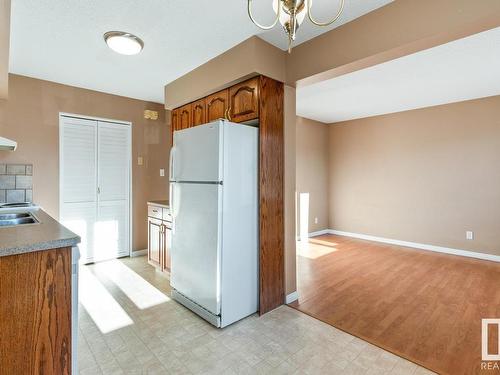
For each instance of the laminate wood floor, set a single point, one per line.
(426, 307)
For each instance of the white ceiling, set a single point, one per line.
(464, 69)
(61, 40)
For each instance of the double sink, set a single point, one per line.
(18, 218)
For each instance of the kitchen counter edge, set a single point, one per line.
(164, 203)
(47, 235)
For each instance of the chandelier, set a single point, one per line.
(291, 14)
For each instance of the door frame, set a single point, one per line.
(130, 191)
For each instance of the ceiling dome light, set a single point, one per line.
(123, 43)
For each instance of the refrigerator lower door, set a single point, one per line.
(197, 153)
(196, 243)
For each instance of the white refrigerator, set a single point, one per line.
(214, 204)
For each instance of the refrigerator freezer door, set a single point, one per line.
(196, 243)
(197, 153)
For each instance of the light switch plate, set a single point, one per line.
(469, 235)
(140, 160)
(162, 172)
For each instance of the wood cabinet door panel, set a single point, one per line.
(154, 241)
(175, 120)
(185, 119)
(244, 101)
(217, 105)
(198, 112)
(167, 242)
(174, 124)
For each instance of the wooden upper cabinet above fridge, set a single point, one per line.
(244, 101)
(185, 119)
(217, 105)
(198, 111)
(175, 120)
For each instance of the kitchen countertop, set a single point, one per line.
(47, 234)
(164, 203)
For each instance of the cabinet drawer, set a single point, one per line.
(166, 215)
(156, 212)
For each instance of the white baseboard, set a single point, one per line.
(138, 253)
(438, 249)
(291, 297)
(319, 233)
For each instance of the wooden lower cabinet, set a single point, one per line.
(159, 242)
(155, 241)
(35, 312)
(167, 246)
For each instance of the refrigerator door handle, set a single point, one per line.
(171, 164)
(171, 203)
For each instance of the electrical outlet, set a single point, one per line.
(162, 172)
(315, 220)
(469, 235)
(140, 160)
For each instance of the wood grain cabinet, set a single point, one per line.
(238, 103)
(155, 242)
(175, 120)
(244, 101)
(167, 246)
(159, 237)
(185, 119)
(217, 105)
(198, 112)
(35, 313)
(174, 124)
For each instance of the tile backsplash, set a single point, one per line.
(16, 183)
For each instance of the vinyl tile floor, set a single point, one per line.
(129, 325)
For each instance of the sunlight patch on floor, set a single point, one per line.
(322, 242)
(106, 313)
(137, 289)
(314, 249)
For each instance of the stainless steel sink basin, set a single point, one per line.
(14, 216)
(14, 219)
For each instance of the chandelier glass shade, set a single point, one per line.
(291, 14)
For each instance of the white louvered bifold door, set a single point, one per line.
(78, 176)
(95, 186)
(113, 226)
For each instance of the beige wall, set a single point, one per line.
(249, 58)
(4, 47)
(312, 169)
(425, 176)
(30, 116)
